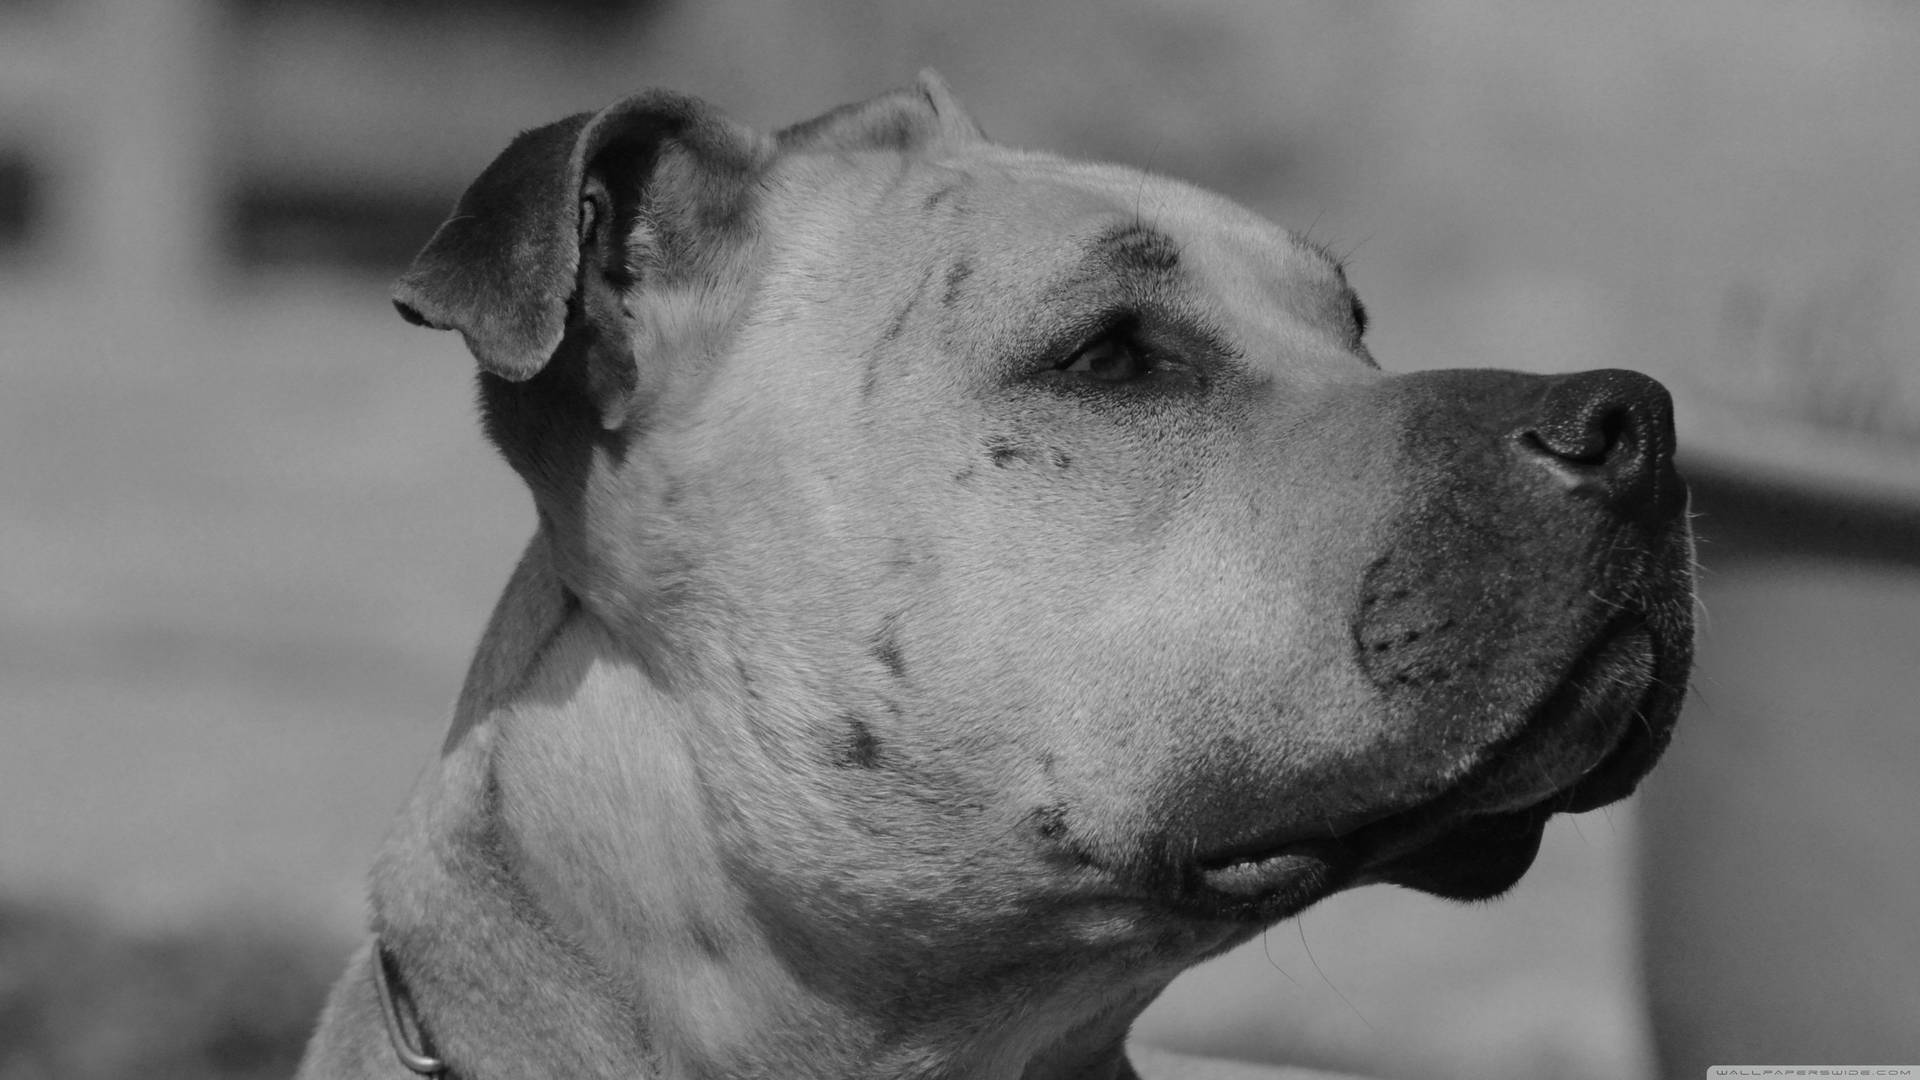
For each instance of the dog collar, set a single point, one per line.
(394, 998)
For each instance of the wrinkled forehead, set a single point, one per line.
(1051, 200)
(994, 225)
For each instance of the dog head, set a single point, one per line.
(1036, 546)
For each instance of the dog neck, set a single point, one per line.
(560, 896)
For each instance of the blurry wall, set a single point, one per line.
(249, 531)
(1782, 858)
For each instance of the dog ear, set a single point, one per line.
(906, 119)
(571, 217)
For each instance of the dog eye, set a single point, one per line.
(1112, 358)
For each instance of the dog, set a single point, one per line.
(972, 587)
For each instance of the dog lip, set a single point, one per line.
(1575, 701)
(1307, 866)
(1290, 875)
(1267, 845)
(1280, 872)
(1575, 731)
(1260, 870)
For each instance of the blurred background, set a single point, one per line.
(249, 530)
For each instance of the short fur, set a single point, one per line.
(972, 587)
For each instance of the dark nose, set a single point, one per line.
(1607, 435)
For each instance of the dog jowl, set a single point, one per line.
(971, 587)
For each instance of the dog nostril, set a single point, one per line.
(1604, 425)
(1586, 440)
(1616, 430)
(1605, 435)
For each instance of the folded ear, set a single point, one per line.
(906, 119)
(570, 217)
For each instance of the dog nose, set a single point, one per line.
(1607, 435)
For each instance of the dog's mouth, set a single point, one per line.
(1587, 744)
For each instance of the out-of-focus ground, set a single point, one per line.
(249, 530)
